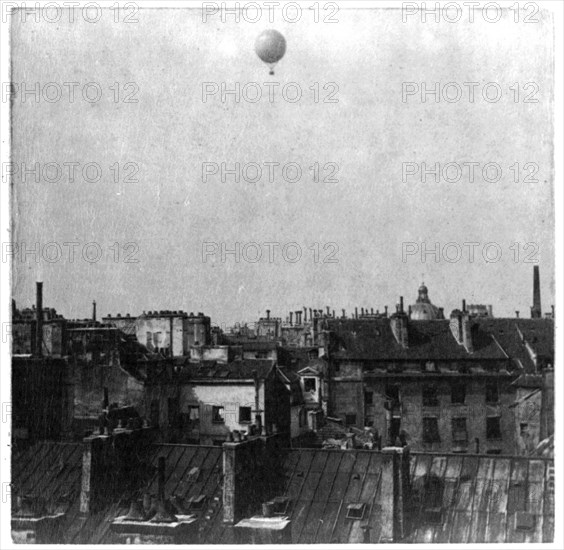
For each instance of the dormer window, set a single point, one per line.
(356, 511)
(310, 384)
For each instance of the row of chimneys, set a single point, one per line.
(328, 313)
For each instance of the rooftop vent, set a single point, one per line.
(196, 503)
(356, 511)
(193, 474)
(524, 521)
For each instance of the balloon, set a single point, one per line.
(270, 46)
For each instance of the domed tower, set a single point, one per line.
(423, 309)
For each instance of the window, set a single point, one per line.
(368, 398)
(355, 511)
(310, 384)
(430, 366)
(493, 427)
(393, 396)
(459, 433)
(493, 452)
(350, 419)
(458, 393)
(524, 429)
(430, 430)
(194, 413)
(369, 421)
(492, 392)
(245, 415)
(218, 415)
(430, 396)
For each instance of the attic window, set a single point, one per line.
(280, 505)
(524, 521)
(356, 511)
(196, 503)
(194, 474)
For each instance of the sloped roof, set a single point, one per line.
(236, 370)
(430, 339)
(479, 498)
(456, 498)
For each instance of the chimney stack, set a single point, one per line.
(39, 314)
(463, 305)
(94, 310)
(267, 314)
(399, 326)
(305, 315)
(356, 313)
(385, 311)
(536, 311)
(291, 315)
(344, 313)
(517, 313)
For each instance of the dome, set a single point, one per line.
(424, 312)
(423, 309)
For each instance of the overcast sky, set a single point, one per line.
(368, 212)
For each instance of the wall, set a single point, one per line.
(474, 410)
(230, 396)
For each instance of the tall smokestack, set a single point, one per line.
(268, 314)
(401, 304)
(536, 312)
(94, 310)
(39, 313)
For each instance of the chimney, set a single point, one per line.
(39, 320)
(267, 314)
(385, 311)
(399, 326)
(94, 310)
(409, 311)
(463, 305)
(456, 325)
(397, 491)
(356, 313)
(291, 315)
(371, 311)
(467, 332)
(310, 315)
(517, 313)
(328, 311)
(490, 311)
(344, 313)
(362, 311)
(305, 315)
(536, 311)
(265, 451)
(107, 463)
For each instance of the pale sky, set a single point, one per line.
(368, 213)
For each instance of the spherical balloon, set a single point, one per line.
(270, 46)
